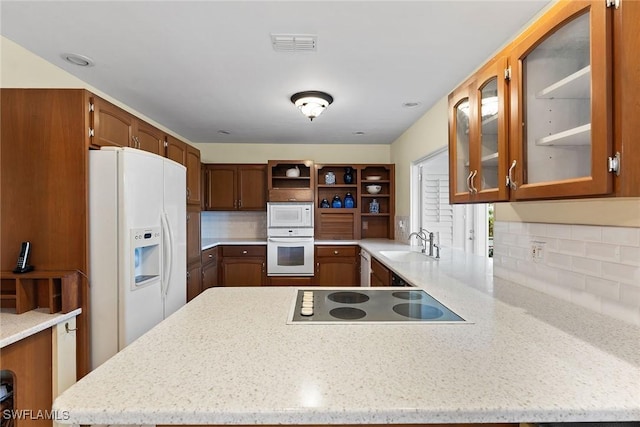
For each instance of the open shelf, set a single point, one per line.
(574, 86)
(578, 136)
(55, 290)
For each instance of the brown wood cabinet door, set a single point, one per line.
(194, 249)
(337, 272)
(176, 150)
(461, 134)
(490, 144)
(210, 275)
(337, 266)
(252, 187)
(380, 275)
(220, 188)
(626, 69)
(249, 271)
(194, 281)
(561, 104)
(193, 175)
(112, 125)
(148, 138)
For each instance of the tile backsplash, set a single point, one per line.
(595, 267)
(234, 224)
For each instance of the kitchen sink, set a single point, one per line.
(404, 256)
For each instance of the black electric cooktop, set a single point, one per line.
(363, 305)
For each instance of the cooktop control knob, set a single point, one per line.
(307, 304)
(306, 311)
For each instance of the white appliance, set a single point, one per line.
(289, 215)
(137, 243)
(365, 268)
(290, 244)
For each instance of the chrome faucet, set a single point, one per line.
(427, 236)
(422, 236)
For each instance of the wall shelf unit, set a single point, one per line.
(54, 290)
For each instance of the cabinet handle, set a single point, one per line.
(188, 193)
(473, 176)
(240, 203)
(469, 182)
(336, 252)
(244, 252)
(235, 204)
(263, 267)
(210, 255)
(317, 267)
(510, 182)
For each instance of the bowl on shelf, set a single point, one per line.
(373, 178)
(374, 189)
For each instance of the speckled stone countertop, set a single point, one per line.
(229, 357)
(14, 327)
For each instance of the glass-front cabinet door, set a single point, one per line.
(489, 182)
(461, 170)
(478, 137)
(561, 112)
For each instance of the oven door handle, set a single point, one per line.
(290, 239)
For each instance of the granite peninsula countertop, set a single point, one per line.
(14, 327)
(229, 357)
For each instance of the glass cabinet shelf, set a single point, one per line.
(577, 136)
(574, 86)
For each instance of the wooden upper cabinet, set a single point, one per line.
(252, 187)
(148, 138)
(112, 126)
(286, 187)
(220, 184)
(478, 136)
(176, 150)
(194, 191)
(561, 104)
(460, 141)
(571, 89)
(231, 187)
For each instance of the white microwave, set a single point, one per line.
(289, 214)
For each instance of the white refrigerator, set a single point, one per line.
(137, 244)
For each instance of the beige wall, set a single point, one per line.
(425, 136)
(260, 153)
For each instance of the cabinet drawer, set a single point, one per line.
(209, 255)
(337, 250)
(240, 251)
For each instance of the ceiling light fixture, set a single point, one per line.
(79, 60)
(312, 102)
(410, 104)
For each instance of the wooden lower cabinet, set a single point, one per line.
(194, 281)
(210, 268)
(243, 265)
(380, 275)
(337, 265)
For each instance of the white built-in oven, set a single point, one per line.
(289, 215)
(290, 239)
(290, 252)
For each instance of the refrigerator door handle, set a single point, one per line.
(168, 254)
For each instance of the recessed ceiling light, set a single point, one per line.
(79, 60)
(224, 132)
(358, 133)
(410, 104)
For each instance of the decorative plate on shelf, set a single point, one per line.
(373, 178)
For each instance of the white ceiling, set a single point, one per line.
(198, 67)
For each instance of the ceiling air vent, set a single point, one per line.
(294, 42)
